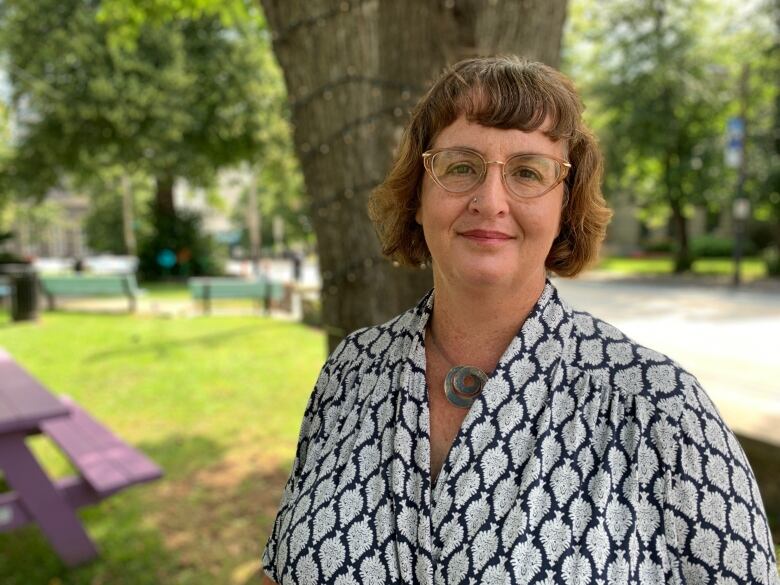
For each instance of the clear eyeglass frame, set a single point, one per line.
(564, 166)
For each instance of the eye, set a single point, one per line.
(461, 168)
(526, 174)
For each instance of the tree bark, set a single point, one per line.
(163, 198)
(354, 69)
(128, 216)
(253, 222)
(682, 252)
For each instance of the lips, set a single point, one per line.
(486, 235)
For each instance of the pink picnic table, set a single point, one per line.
(106, 464)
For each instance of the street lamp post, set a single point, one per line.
(736, 158)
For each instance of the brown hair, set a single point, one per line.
(499, 92)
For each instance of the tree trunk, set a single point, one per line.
(163, 198)
(682, 252)
(354, 69)
(128, 216)
(253, 222)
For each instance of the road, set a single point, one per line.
(729, 339)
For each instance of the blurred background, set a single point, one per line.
(238, 141)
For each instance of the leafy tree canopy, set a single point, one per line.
(663, 77)
(181, 100)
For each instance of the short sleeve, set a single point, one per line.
(717, 531)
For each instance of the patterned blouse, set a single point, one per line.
(587, 459)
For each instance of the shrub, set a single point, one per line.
(771, 256)
(658, 246)
(708, 246)
(312, 312)
(180, 239)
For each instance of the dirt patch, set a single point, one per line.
(215, 520)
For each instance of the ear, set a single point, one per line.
(418, 215)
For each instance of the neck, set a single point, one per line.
(474, 328)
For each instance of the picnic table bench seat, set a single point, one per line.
(262, 290)
(84, 285)
(105, 463)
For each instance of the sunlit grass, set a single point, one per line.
(216, 401)
(751, 268)
(164, 291)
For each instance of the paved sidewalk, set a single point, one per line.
(727, 338)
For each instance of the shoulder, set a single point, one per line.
(654, 391)
(629, 368)
(378, 343)
(663, 396)
(367, 352)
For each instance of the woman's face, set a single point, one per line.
(486, 236)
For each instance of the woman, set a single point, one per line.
(492, 434)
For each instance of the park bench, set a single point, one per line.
(83, 286)
(262, 290)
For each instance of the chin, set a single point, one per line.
(482, 274)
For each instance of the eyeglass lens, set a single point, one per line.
(525, 175)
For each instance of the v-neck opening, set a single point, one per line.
(434, 486)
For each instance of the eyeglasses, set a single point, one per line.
(525, 176)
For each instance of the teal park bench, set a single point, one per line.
(83, 285)
(262, 290)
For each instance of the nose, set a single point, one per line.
(491, 198)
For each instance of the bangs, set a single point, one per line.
(507, 93)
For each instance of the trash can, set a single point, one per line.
(24, 291)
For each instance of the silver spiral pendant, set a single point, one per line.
(463, 384)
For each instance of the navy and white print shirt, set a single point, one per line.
(586, 459)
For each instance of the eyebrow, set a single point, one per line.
(525, 152)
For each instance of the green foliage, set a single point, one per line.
(662, 107)
(708, 246)
(196, 253)
(658, 246)
(188, 98)
(155, 88)
(127, 19)
(280, 194)
(771, 257)
(768, 201)
(104, 225)
(662, 77)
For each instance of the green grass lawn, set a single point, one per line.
(215, 401)
(752, 268)
(166, 291)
